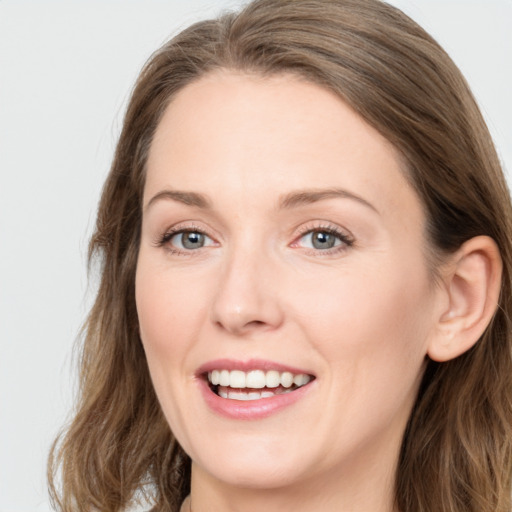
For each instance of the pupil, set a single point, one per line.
(192, 240)
(323, 240)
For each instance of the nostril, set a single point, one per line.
(241, 327)
(255, 323)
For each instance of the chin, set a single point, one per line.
(257, 475)
(252, 462)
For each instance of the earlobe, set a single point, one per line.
(472, 282)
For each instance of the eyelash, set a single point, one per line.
(346, 239)
(163, 240)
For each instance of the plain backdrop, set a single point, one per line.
(66, 70)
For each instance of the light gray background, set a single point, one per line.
(66, 69)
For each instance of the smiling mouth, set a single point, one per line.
(254, 384)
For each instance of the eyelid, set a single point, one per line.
(323, 225)
(163, 238)
(344, 235)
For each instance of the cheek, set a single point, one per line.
(370, 330)
(170, 311)
(370, 324)
(170, 308)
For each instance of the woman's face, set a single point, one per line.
(281, 243)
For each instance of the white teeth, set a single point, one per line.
(273, 379)
(224, 378)
(240, 395)
(243, 396)
(301, 379)
(286, 379)
(256, 379)
(237, 379)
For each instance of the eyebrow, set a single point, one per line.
(309, 196)
(288, 201)
(187, 198)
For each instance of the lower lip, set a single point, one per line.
(251, 409)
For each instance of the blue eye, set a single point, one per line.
(324, 239)
(188, 240)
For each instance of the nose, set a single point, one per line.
(247, 298)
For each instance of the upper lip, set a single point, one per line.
(246, 366)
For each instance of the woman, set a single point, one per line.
(305, 293)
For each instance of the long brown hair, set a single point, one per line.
(456, 452)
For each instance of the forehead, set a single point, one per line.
(250, 135)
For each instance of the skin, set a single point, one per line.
(359, 317)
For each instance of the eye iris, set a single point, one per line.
(323, 240)
(192, 240)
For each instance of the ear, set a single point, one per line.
(472, 282)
